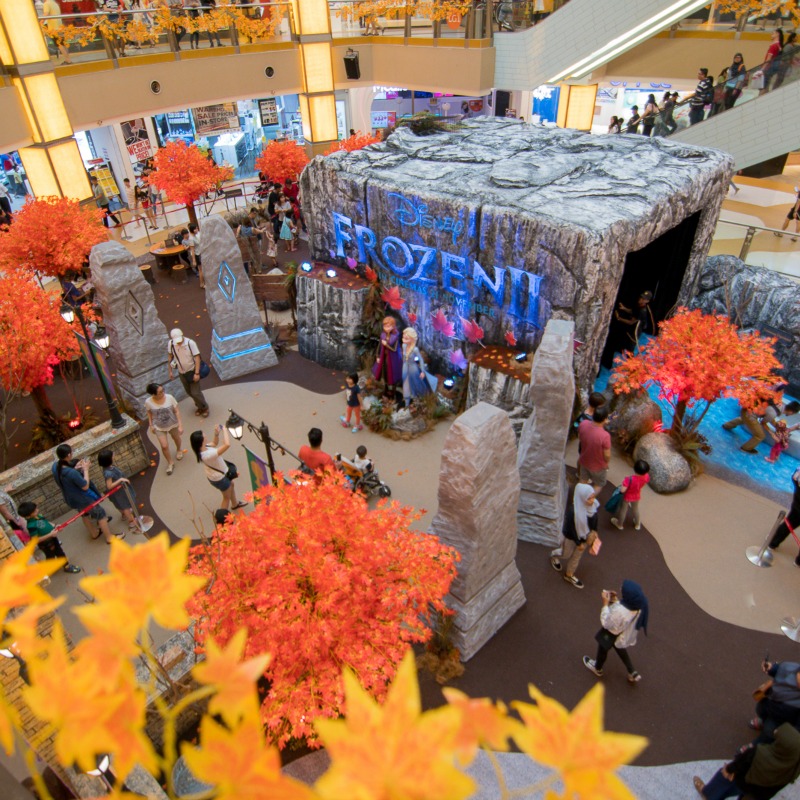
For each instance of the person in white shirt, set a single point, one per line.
(184, 358)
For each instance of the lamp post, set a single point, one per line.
(236, 426)
(69, 313)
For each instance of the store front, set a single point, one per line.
(389, 104)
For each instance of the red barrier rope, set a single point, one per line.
(88, 508)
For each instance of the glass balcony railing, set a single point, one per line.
(758, 246)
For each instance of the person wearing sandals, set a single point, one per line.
(210, 456)
(165, 420)
(758, 771)
(184, 357)
(120, 499)
(580, 531)
(794, 214)
(621, 621)
(79, 493)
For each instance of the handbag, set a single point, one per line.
(757, 80)
(231, 473)
(594, 549)
(762, 691)
(615, 501)
(205, 370)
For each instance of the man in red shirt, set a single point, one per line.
(313, 456)
(595, 450)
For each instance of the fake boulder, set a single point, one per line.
(478, 498)
(669, 470)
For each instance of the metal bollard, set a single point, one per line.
(791, 628)
(762, 556)
(144, 522)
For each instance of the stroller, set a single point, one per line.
(262, 190)
(367, 481)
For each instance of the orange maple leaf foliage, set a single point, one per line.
(33, 334)
(280, 161)
(53, 235)
(355, 142)
(184, 173)
(320, 582)
(699, 356)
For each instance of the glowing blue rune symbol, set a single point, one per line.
(134, 313)
(227, 282)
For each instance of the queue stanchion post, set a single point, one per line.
(762, 556)
(142, 520)
(790, 626)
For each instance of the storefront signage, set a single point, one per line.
(268, 109)
(383, 119)
(216, 119)
(136, 140)
(437, 273)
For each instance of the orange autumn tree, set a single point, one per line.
(355, 142)
(759, 8)
(88, 701)
(696, 359)
(50, 235)
(280, 161)
(320, 582)
(185, 174)
(33, 339)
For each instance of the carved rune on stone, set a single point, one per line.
(227, 282)
(134, 313)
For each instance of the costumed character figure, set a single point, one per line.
(416, 380)
(388, 366)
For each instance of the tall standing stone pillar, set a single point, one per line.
(239, 343)
(543, 441)
(137, 337)
(478, 498)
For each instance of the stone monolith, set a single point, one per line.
(540, 457)
(137, 337)
(239, 343)
(478, 498)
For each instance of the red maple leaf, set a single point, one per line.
(511, 340)
(392, 298)
(442, 325)
(372, 276)
(472, 331)
(412, 319)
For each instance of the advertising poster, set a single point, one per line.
(268, 109)
(136, 140)
(216, 119)
(383, 119)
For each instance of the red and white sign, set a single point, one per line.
(136, 140)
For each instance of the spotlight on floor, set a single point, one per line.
(306, 266)
(331, 273)
(449, 383)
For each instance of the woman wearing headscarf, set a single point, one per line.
(580, 531)
(757, 771)
(734, 80)
(621, 621)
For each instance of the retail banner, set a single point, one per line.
(258, 469)
(136, 140)
(268, 109)
(215, 119)
(383, 119)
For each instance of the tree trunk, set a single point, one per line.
(192, 213)
(42, 401)
(677, 421)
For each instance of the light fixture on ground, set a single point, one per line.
(306, 266)
(69, 313)
(331, 273)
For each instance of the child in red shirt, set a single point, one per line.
(631, 493)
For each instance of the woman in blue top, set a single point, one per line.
(72, 478)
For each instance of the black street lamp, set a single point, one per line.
(236, 426)
(69, 313)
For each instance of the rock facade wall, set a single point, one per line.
(138, 338)
(755, 298)
(543, 442)
(518, 201)
(478, 497)
(328, 318)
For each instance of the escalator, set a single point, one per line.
(579, 37)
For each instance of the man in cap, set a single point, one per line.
(184, 357)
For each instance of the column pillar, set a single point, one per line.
(52, 162)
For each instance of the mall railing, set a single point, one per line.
(755, 82)
(738, 238)
(114, 35)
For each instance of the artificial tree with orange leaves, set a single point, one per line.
(33, 339)
(90, 702)
(282, 161)
(185, 174)
(696, 359)
(355, 142)
(52, 236)
(335, 585)
(747, 8)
